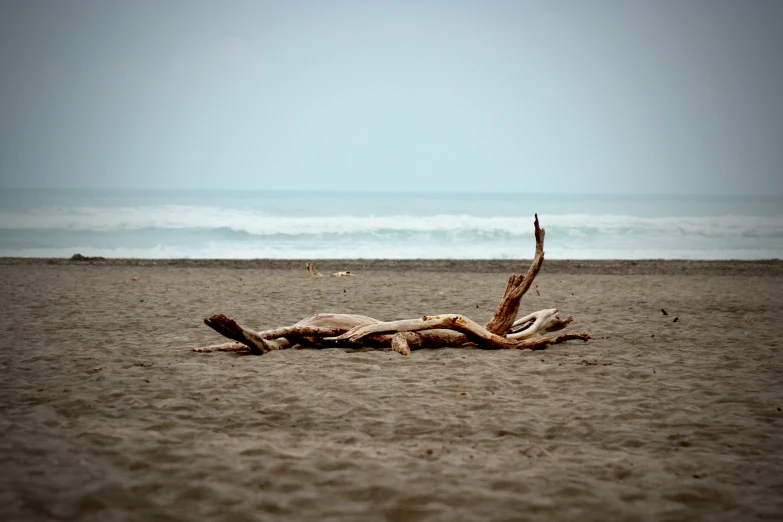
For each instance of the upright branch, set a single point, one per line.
(517, 286)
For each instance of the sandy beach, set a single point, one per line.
(106, 414)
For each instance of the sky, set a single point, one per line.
(622, 96)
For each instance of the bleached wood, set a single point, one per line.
(531, 323)
(452, 330)
(402, 342)
(231, 329)
(460, 323)
(232, 346)
(536, 323)
(539, 342)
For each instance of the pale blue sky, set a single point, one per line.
(582, 96)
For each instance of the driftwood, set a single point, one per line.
(504, 330)
(312, 271)
(315, 273)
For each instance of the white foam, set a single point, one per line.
(259, 223)
(261, 235)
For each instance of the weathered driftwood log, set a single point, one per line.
(474, 331)
(504, 330)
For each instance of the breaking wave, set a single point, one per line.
(193, 231)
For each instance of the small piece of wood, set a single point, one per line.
(313, 272)
(233, 346)
(402, 342)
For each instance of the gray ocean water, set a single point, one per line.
(302, 225)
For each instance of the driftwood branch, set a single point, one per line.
(516, 287)
(475, 332)
(313, 272)
(537, 322)
(503, 331)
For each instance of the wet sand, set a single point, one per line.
(106, 414)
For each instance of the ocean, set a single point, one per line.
(309, 225)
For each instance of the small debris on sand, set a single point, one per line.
(595, 362)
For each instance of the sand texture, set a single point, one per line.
(105, 414)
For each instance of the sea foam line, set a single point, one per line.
(258, 223)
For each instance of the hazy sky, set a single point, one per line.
(582, 96)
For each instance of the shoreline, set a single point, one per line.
(770, 267)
